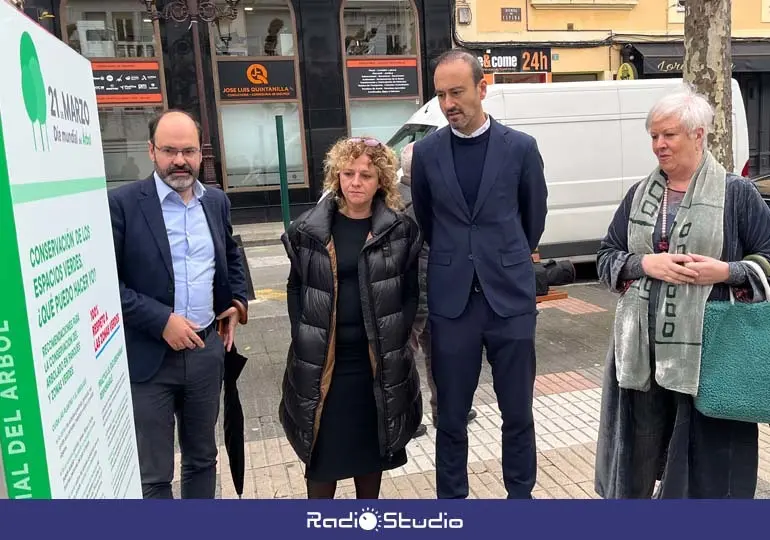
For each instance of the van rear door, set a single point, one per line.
(741, 149)
(577, 127)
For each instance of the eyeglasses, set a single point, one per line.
(171, 153)
(367, 142)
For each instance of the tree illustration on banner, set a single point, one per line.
(33, 89)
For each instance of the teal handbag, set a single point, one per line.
(735, 359)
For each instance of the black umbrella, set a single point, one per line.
(233, 418)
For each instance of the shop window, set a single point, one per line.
(256, 81)
(123, 45)
(114, 29)
(124, 142)
(262, 28)
(379, 119)
(251, 146)
(379, 28)
(382, 65)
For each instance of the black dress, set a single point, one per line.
(347, 443)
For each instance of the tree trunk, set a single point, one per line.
(708, 66)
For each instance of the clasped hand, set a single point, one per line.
(680, 269)
(181, 333)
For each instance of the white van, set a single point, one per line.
(593, 142)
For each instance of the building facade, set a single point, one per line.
(327, 68)
(577, 40)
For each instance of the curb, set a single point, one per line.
(261, 242)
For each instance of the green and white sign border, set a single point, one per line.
(16, 347)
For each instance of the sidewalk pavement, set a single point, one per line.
(566, 413)
(566, 416)
(571, 345)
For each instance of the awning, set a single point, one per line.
(669, 57)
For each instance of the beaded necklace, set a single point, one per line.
(663, 244)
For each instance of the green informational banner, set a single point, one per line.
(66, 422)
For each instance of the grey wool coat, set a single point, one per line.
(659, 435)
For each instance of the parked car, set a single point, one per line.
(763, 184)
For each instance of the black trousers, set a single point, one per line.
(187, 389)
(457, 352)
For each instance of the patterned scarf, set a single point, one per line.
(698, 229)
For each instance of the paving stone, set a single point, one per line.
(588, 489)
(566, 439)
(483, 453)
(405, 488)
(388, 489)
(424, 485)
(489, 437)
(479, 489)
(558, 492)
(424, 463)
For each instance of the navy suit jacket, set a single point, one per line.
(146, 274)
(496, 238)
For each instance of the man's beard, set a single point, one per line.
(458, 122)
(178, 183)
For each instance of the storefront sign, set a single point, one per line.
(665, 66)
(127, 83)
(627, 72)
(66, 421)
(382, 77)
(263, 79)
(675, 66)
(514, 60)
(669, 57)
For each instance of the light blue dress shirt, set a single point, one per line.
(192, 253)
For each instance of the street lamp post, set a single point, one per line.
(193, 11)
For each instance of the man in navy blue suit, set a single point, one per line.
(479, 194)
(183, 292)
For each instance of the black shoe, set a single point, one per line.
(422, 429)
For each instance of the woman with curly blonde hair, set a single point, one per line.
(351, 393)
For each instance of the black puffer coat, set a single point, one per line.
(387, 271)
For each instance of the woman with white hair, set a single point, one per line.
(676, 242)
